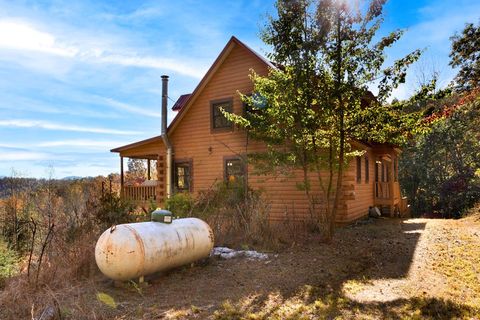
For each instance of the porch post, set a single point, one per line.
(159, 189)
(148, 169)
(391, 181)
(121, 176)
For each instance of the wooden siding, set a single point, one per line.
(193, 138)
(362, 192)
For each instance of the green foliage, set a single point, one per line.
(223, 198)
(237, 214)
(465, 55)
(112, 209)
(438, 171)
(8, 262)
(180, 204)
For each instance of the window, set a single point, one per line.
(219, 121)
(183, 176)
(234, 170)
(359, 169)
(367, 170)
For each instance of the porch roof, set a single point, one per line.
(145, 149)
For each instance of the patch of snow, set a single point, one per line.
(252, 254)
(227, 253)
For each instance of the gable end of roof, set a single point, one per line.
(211, 71)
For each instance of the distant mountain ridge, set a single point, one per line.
(73, 178)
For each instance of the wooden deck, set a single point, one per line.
(140, 193)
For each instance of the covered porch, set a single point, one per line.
(143, 190)
(387, 193)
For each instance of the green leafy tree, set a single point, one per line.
(465, 55)
(440, 169)
(310, 109)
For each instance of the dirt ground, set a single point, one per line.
(380, 269)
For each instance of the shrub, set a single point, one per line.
(110, 209)
(180, 204)
(8, 262)
(238, 215)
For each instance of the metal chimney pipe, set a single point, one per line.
(166, 141)
(164, 103)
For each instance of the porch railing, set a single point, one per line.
(140, 193)
(382, 190)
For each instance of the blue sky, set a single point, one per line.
(78, 78)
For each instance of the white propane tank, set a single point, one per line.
(132, 250)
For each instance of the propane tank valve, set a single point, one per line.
(162, 215)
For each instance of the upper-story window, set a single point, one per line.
(218, 119)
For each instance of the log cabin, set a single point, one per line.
(200, 147)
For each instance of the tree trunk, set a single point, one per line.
(341, 127)
(338, 191)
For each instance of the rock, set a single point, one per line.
(374, 212)
(51, 312)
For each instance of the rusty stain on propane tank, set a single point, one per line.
(141, 245)
(210, 235)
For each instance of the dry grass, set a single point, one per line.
(317, 305)
(66, 270)
(458, 263)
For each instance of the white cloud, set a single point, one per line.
(23, 156)
(139, 15)
(22, 103)
(130, 108)
(18, 35)
(152, 62)
(25, 123)
(94, 144)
